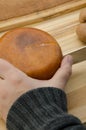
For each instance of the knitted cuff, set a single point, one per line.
(36, 108)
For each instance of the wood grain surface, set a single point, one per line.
(43, 15)
(61, 22)
(15, 8)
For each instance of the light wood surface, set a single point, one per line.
(43, 15)
(61, 24)
(16, 8)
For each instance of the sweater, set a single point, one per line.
(42, 109)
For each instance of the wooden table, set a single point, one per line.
(61, 22)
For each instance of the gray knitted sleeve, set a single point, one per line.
(42, 109)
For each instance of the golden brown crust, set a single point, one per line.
(31, 50)
(81, 29)
(82, 17)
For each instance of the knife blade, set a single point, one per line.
(78, 55)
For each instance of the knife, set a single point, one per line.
(78, 55)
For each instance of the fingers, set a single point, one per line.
(4, 68)
(8, 71)
(63, 74)
(59, 79)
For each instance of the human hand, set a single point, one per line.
(14, 83)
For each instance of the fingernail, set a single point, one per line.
(70, 59)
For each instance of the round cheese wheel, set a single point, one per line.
(31, 50)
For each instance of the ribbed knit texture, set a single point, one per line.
(42, 109)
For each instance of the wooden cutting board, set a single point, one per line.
(61, 22)
(16, 8)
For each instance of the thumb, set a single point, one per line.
(63, 73)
